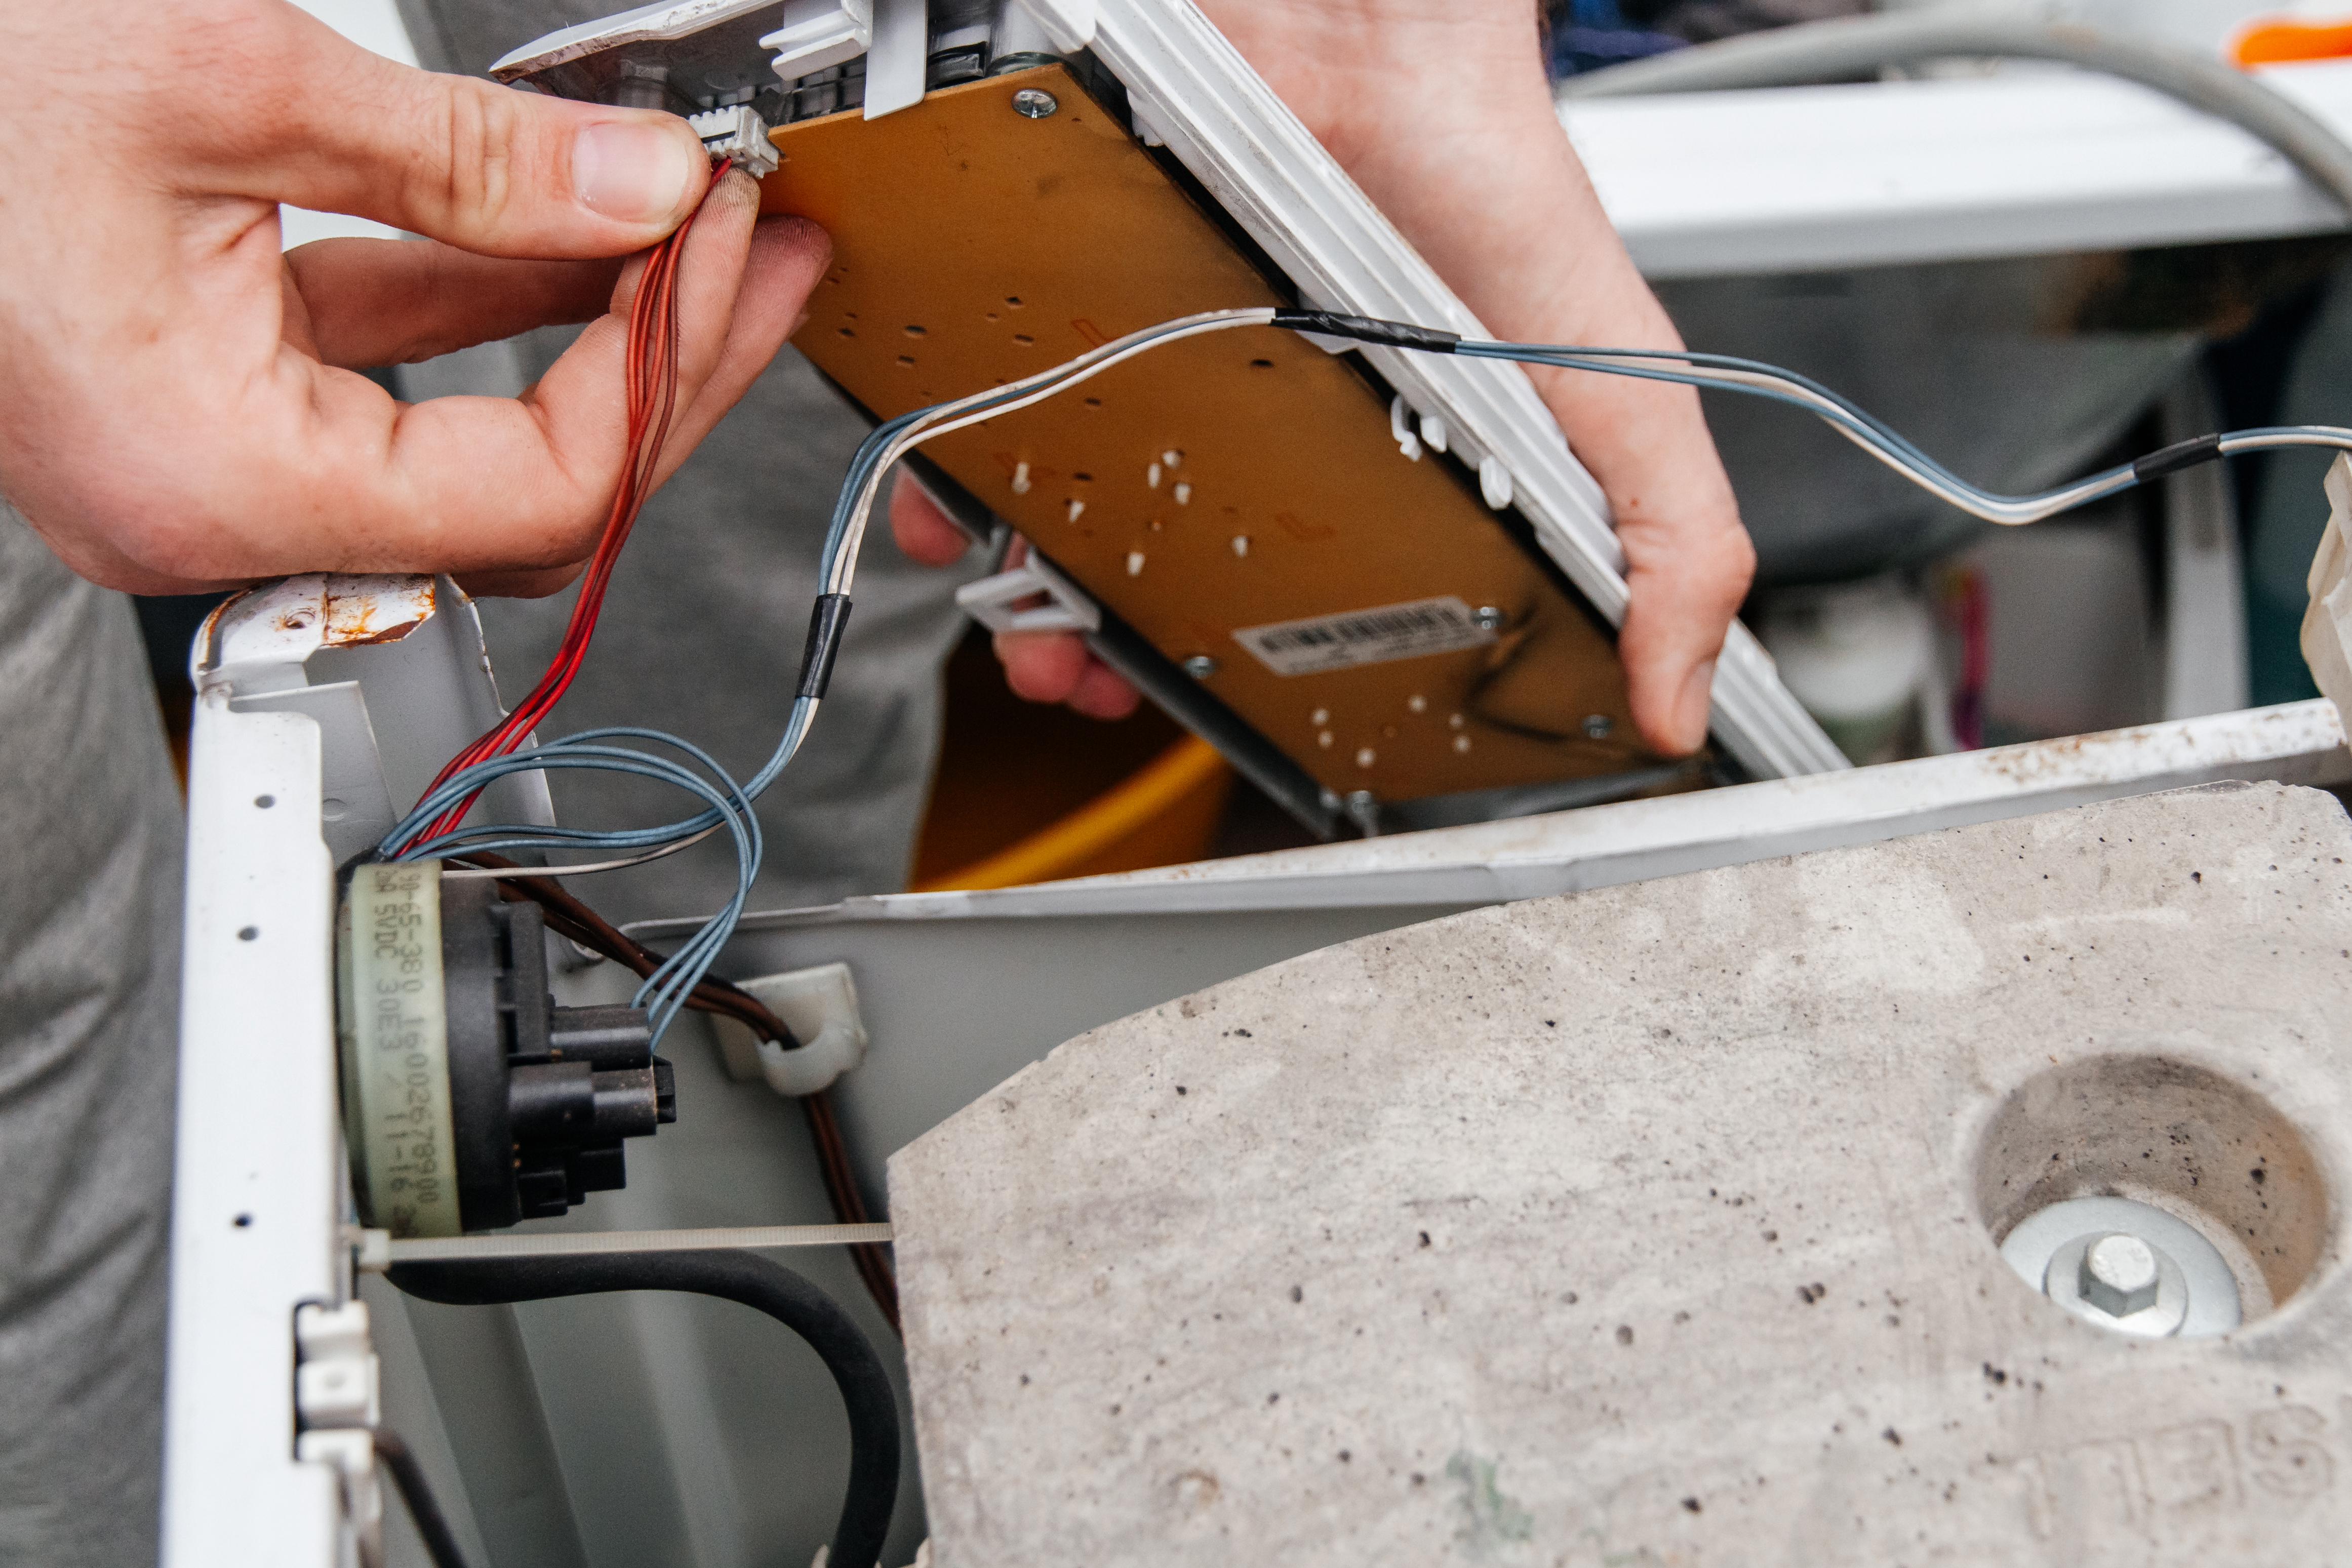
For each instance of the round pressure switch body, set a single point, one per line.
(470, 1100)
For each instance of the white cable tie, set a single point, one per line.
(590, 1243)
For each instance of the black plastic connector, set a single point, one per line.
(540, 1097)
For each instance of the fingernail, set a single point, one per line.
(631, 173)
(1692, 707)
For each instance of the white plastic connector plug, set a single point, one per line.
(737, 132)
(820, 1006)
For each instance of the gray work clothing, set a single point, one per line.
(89, 994)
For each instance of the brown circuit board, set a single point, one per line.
(1244, 481)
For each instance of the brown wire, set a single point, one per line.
(566, 915)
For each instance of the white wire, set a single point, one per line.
(945, 418)
(484, 873)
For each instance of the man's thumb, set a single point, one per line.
(485, 168)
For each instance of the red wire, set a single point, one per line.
(652, 381)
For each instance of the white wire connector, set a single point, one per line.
(737, 132)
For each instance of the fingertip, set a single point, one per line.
(1040, 666)
(1103, 694)
(798, 232)
(1673, 717)
(923, 533)
(645, 170)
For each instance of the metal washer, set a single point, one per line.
(2189, 1266)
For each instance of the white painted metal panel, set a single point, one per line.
(2025, 162)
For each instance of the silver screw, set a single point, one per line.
(2119, 1275)
(1596, 727)
(1486, 618)
(1034, 103)
(1200, 666)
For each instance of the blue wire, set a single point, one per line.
(666, 991)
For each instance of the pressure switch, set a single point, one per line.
(470, 1100)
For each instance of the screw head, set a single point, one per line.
(1034, 103)
(1200, 666)
(1597, 726)
(2119, 1275)
(1486, 618)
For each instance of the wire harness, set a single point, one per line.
(432, 830)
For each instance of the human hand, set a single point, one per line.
(178, 407)
(1440, 111)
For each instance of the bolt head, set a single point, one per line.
(2119, 1275)
(1034, 103)
(1597, 726)
(1486, 618)
(1200, 666)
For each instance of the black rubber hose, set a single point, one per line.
(408, 1475)
(1816, 51)
(732, 1276)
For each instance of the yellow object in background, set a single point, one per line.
(1164, 815)
(2277, 40)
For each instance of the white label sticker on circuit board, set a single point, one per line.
(1365, 636)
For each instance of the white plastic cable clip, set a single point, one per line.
(2327, 624)
(352, 1452)
(993, 602)
(820, 33)
(337, 1402)
(820, 1006)
(1494, 481)
(1400, 426)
